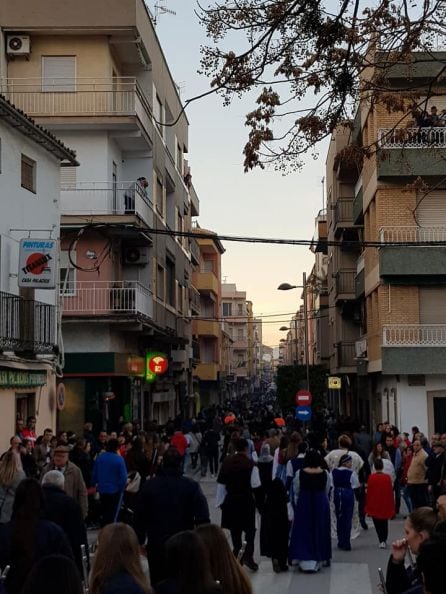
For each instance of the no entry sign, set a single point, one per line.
(303, 398)
(37, 263)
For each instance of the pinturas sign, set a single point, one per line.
(37, 263)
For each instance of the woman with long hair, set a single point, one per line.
(224, 566)
(188, 565)
(10, 478)
(28, 537)
(54, 574)
(117, 566)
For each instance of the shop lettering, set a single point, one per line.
(12, 378)
(37, 263)
(38, 245)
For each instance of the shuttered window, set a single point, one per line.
(431, 210)
(432, 305)
(28, 174)
(59, 73)
(67, 176)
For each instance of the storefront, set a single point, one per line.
(26, 390)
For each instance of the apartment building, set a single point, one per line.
(30, 160)
(235, 315)
(387, 317)
(95, 74)
(209, 373)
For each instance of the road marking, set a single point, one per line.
(350, 578)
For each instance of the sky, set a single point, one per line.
(261, 203)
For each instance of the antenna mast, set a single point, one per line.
(160, 9)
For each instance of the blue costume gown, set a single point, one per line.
(344, 501)
(311, 533)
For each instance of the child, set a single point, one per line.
(345, 481)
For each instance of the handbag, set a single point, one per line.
(133, 482)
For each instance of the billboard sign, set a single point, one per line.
(37, 263)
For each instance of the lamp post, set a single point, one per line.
(287, 287)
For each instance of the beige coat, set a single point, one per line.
(416, 475)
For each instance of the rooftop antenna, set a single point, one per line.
(161, 9)
(323, 192)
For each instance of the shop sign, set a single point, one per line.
(135, 366)
(37, 263)
(17, 378)
(156, 364)
(334, 383)
(60, 397)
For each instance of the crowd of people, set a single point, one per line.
(143, 489)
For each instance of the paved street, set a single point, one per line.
(354, 572)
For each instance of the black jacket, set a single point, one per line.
(64, 511)
(168, 504)
(122, 583)
(401, 579)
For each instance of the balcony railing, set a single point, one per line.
(345, 281)
(102, 298)
(194, 298)
(398, 138)
(106, 198)
(74, 96)
(26, 325)
(343, 211)
(412, 234)
(415, 335)
(346, 354)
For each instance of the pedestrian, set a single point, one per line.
(195, 439)
(237, 482)
(265, 466)
(29, 432)
(364, 442)
(28, 461)
(275, 525)
(416, 476)
(225, 568)
(28, 537)
(380, 504)
(418, 527)
(430, 563)
(110, 478)
(136, 459)
(168, 503)
(436, 470)
(296, 463)
(74, 482)
(63, 510)
(179, 441)
(43, 451)
(189, 570)
(211, 440)
(80, 455)
(379, 451)
(377, 436)
(10, 478)
(310, 542)
(117, 565)
(440, 506)
(54, 574)
(395, 457)
(345, 483)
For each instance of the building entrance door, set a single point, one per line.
(436, 402)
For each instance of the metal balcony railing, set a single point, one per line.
(115, 298)
(412, 234)
(194, 298)
(106, 198)
(26, 325)
(343, 211)
(346, 354)
(415, 335)
(345, 281)
(75, 96)
(397, 138)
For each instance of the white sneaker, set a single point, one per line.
(383, 545)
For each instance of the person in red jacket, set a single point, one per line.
(380, 503)
(180, 442)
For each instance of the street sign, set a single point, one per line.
(156, 364)
(334, 383)
(303, 413)
(304, 398)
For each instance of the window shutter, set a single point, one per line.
(432, 305)
(431, 210)
(59, 73)
(68, 176)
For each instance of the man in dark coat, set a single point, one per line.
(64, 511)
(236, 485)
(168, 504)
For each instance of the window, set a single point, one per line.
(59, 73)
(170, 282)
(159, 196)
(67, 273)
(158, 112)
(240, 309)
(227, 309)
(207, 266)
(240, 334)
(180, 227)
(160, 282)
(28, 174)
(179, 159)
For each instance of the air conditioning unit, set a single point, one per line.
(18, 45)
(138, 256)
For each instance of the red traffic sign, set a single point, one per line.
(304, 398)
(158, 364)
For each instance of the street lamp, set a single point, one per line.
(282, 329)
(287, 287)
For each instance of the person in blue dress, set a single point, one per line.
(310, 543)
(345, 481)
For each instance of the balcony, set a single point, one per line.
(116, 97)
(111, 299)
(194, 300)
(342, 215)
(208, 328)
(346, 354)
(414, 348)
(240, 344)
(106, 201)
(409, 152)
(207, 371)
(194, 251)
(345, 284)
(319, 242)
(358, 215)
(412, 264)
(26, 325)
(207, 282)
